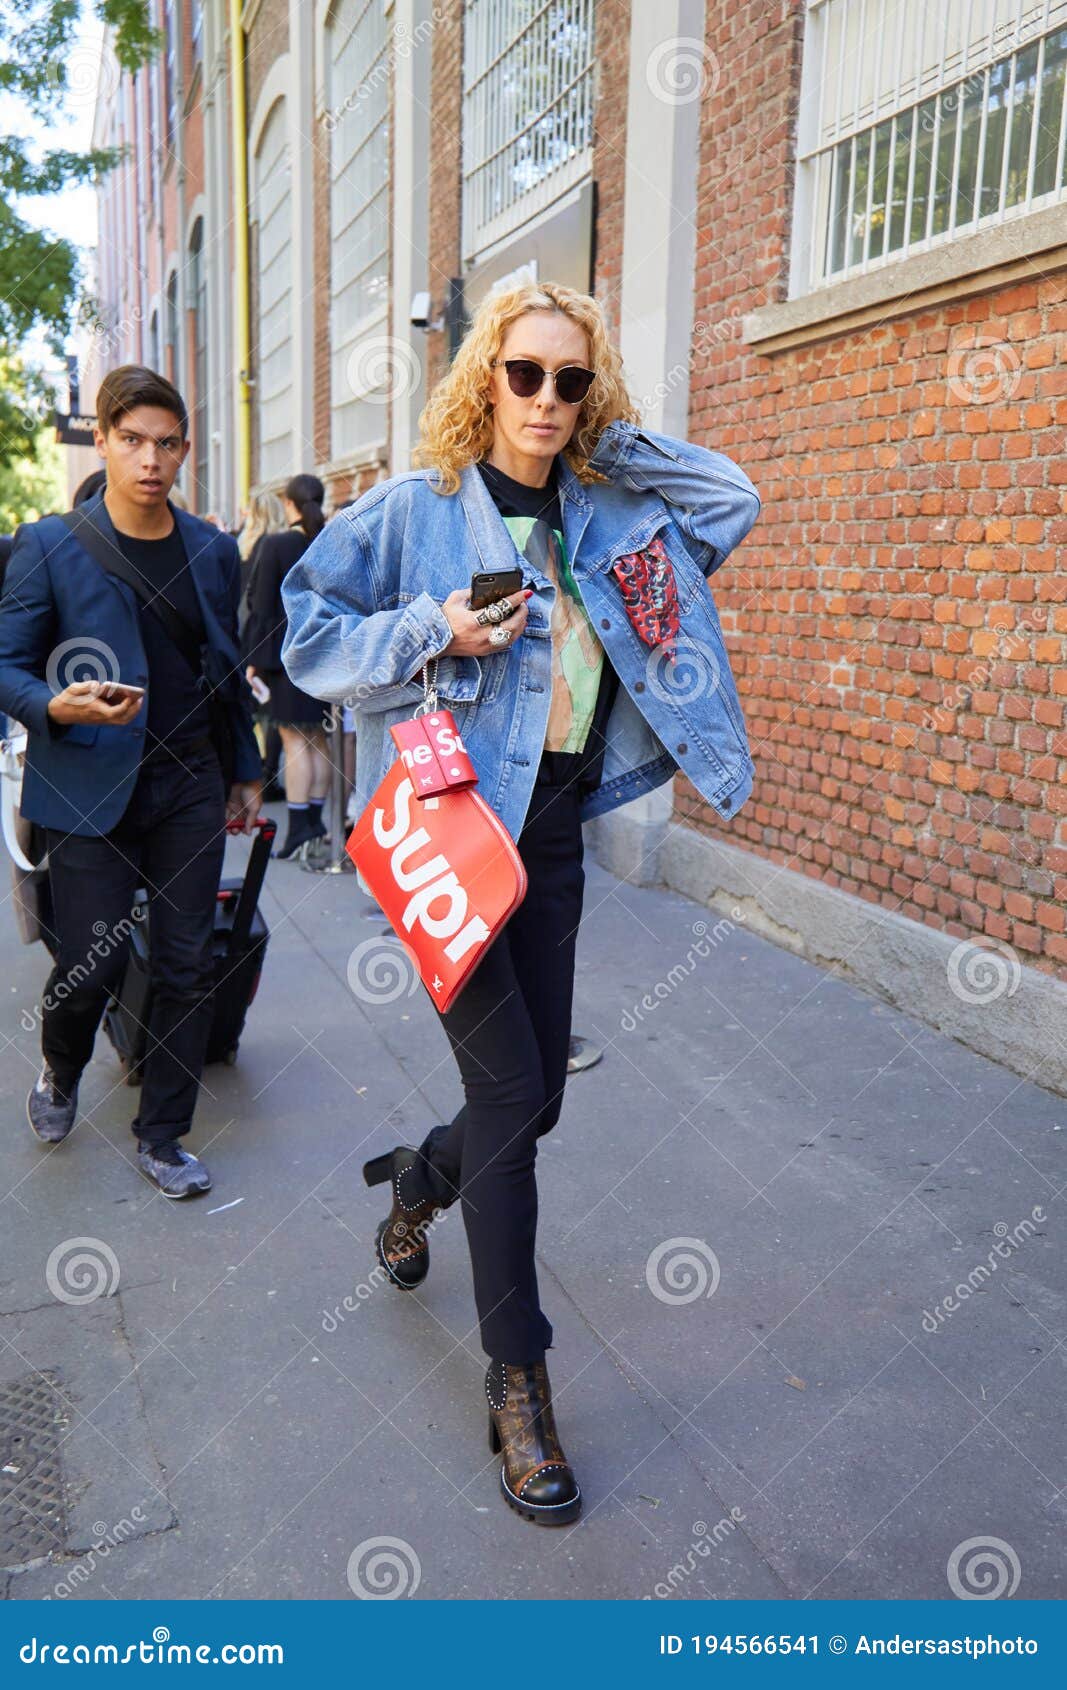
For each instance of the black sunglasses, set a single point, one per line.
(525, 378)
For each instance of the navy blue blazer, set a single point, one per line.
(58, 605)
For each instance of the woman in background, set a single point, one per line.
(297, 716)
(265, 515)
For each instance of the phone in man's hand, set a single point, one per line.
(115, 692)
(491, 585)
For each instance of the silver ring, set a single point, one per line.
(499, 636)
(500, 610)
(482, 616)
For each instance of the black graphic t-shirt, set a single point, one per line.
(177, 710)
(584, 684)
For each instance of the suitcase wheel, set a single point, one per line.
(231, 1057)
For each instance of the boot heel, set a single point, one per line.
(494, 1437)
(380, 1169)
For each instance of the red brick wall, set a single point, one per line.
(193, 131)
(446, 131)
(265, 41)
(896, 620)
(612, 66)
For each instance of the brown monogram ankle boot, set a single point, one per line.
(400, 1242)
(536, 1477)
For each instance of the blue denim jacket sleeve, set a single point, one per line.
(713, 502)
(338, 645)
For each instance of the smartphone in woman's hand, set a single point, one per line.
(491, 585)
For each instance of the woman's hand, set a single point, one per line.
(470, 638)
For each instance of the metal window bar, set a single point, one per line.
(1035, 121)
(973, 54)
(1023, 32)
(527, 103)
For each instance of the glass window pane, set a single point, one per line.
(859, 200)
(946, 156)
(967, 190)
(839, 207)
(1022, 122)
(1048, 122)
(924, 158)
(999, 82)
(882, 137)
(901, 158)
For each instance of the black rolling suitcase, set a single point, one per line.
(240, 948)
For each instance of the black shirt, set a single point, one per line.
(535, 522)
(177, 710)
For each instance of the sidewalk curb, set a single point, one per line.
(973, 990)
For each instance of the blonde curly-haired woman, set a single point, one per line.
(580, 698)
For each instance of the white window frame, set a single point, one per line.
(499, 141)
(358, 417)
(984, 34)
(271, 209)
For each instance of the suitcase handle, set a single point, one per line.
(258, 859)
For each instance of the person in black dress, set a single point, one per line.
(298, 717)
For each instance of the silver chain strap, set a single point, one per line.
(429, 687)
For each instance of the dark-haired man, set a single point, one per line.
(118, 653)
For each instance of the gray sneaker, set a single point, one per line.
(50, 1111)
(176, 1173)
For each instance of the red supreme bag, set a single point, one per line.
(440, 862)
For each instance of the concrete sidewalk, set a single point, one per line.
(754, 1216)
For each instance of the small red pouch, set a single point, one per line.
(434, 754)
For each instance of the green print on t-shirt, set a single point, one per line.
(577, 654)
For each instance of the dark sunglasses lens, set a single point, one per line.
(524, 377)
(573, 383)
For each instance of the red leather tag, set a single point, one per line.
(433, 754)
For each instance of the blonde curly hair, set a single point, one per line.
(456, 423)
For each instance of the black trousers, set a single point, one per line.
(171, 839)
(510, 1032)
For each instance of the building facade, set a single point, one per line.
(830, 237)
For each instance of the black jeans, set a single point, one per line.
(171, 840)
(510, 1033)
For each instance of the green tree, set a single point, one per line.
(40, 276)
(31, 487)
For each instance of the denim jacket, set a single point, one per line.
(364, 614)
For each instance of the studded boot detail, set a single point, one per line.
(536, 1477)
(400, 1242)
